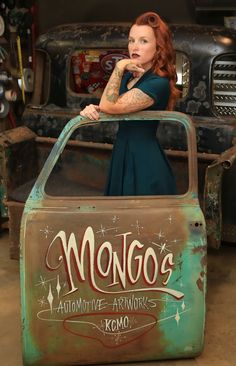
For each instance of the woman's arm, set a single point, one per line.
(111, 102)
(132, 101)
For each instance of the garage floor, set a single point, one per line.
(220, 340)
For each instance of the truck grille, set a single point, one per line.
(224, 86)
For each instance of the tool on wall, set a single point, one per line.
(7, 95)
(4, 108)
(18, 41)
(17, 58)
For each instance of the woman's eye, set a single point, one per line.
(143, 41)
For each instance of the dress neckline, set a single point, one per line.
(130, 79)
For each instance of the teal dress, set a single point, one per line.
(139, 165)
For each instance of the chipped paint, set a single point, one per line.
(113, 274)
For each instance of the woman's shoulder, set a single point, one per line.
(155, 81)
(157, 87)
(152, 76)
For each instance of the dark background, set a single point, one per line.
(55, 12)
(50, 13)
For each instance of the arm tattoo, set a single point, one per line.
(112, 90)
(135, 100)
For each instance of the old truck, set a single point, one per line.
(73, 64)
(111, 279)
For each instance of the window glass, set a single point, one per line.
(82, 168)
(91, 69)
(182, 69)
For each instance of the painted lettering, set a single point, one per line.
(123, 269)
(114, 325)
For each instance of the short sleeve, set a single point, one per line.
(157, 88)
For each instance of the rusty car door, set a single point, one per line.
(112, 279)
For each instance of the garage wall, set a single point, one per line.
(55, 12)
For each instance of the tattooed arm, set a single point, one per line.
(133, 100)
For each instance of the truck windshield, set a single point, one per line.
(90, 70)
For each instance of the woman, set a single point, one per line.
(145, 81)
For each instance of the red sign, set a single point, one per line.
(91, 69)
(109, 61)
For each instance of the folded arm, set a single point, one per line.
(133, 100)
(111, 102)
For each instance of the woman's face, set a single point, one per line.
(142, 45)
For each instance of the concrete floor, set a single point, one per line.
(220, 338)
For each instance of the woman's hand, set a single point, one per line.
(91, 112)
(132, 65)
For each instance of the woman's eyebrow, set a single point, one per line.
(142, 37)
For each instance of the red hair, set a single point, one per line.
(164, 62)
